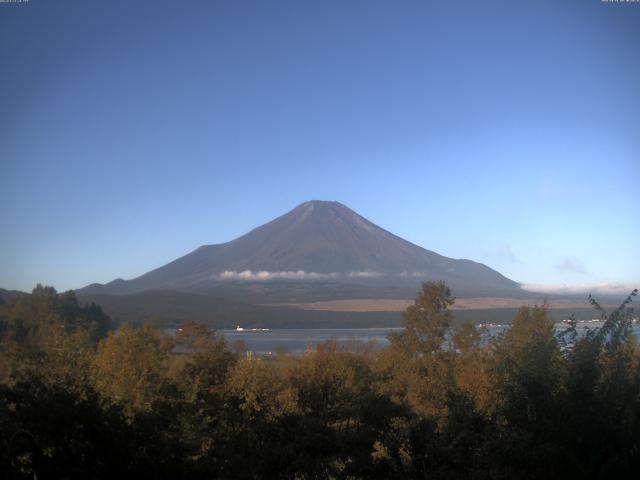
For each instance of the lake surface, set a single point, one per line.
(293, 340)
(265, 342)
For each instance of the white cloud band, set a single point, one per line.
(265, 276)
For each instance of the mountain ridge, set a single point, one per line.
(317, 241)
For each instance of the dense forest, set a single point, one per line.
(80, 399)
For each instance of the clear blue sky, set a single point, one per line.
(131, 132)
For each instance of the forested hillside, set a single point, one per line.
(81, 400)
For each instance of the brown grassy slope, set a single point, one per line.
(398, 305)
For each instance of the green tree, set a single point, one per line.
(53, 336)
(529, 393)
(415, 369)
(427, 321)
(602, 419)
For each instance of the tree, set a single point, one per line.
(426, 321)
(415, 367)
(51, 335)
(130, 367)
(31, 318)
(471, 363)
(529, 376)
(602, 419)
(208, 360)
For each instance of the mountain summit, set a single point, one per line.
(318, 242)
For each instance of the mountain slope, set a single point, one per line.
(317, 243)
(170, 308)
(8, 295)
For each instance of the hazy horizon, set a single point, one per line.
(501, 132)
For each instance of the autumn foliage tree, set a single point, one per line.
(130, 367)
(443, 400)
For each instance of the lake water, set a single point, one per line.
(293, 340)
(264, 342)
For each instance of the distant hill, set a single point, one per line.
(6, 295)
(317, 251)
